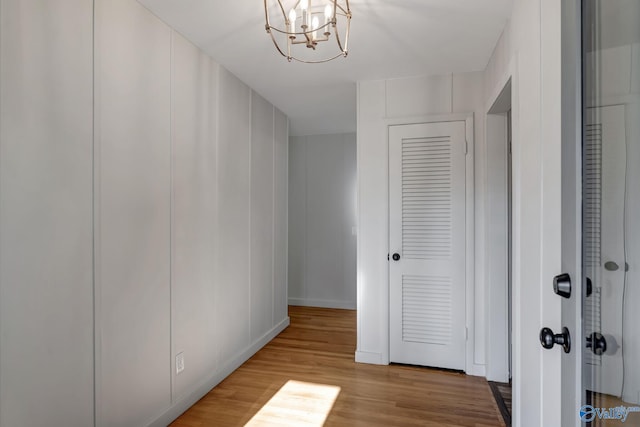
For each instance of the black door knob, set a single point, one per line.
(548, 339)
(562, 285)
(396, 257)
(597, 343)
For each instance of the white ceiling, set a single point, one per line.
(389, 39)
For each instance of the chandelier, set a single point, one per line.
(309, 32)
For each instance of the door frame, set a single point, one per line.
(570, 124)
(497, 249)
(525, 367)
(471, 367)
(561, 65)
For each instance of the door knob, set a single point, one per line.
(548, 339)
(562, 285)
(396, 257)
(597, 343)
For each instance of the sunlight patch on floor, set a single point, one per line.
(297, 404)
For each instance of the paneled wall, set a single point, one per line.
(46, 266)
(194, 214)
(322, 213)
(142, 218)
(378, 102)
(262, 216)
(132, 213)
(234, 217)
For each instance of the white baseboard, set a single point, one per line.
(477, 370)
(370, 358)
(306, 302)
(188, 399)
(499, 377)
(377, 359)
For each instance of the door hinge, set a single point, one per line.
(466, 146)
(466, 333)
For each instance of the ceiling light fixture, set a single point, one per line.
(306, 26)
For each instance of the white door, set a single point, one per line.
(427, 202)
(600, 379)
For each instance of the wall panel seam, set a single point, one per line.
(250, 210)
(93, 204)
(171, 211)
(273, 213)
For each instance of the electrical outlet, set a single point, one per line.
(180, 362)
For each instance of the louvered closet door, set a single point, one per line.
(427, 230)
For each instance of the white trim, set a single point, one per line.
(370, 358)
(477, 370)
(470, 243)
(322, 303)
(497, 361)
(187, 400)
(273, 214)
(516, 209)
(250, 225)
(286, 220)
(507, 78)
(511, 73)
(432, 118)
(359, 288)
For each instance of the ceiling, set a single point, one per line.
(389, 39)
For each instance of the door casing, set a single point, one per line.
(497, 237)
(570, 118)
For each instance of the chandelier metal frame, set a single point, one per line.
(306, 33)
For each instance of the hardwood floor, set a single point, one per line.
(294, 379)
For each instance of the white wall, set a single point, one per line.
(161, 203)
(133, 219)
(528, 53)
(379, 101)
(322, 215)
(46, 283)
(194, 92)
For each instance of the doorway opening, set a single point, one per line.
(498, 249)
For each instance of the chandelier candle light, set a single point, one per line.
(307, 25)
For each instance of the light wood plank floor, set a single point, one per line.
(319, 348)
